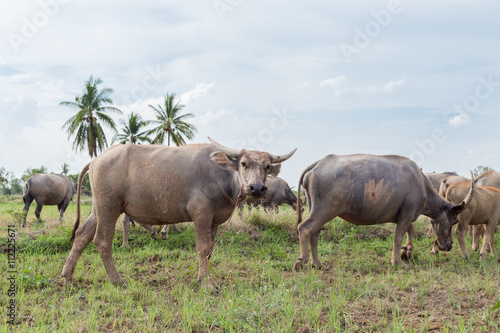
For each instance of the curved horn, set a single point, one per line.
(468, 198)
(282, 158)
(234, 153)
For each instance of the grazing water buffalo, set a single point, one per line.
(152, 231)
(47, 190)
(484, 209)
(436, 178)
(369, 189)
(160, 185)
(443, 186)
(278, 193)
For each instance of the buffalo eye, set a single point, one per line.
(243, 164)
(268, 167)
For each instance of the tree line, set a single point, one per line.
(93, 109)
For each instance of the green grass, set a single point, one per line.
(259, 292)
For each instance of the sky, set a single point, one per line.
(414, 78)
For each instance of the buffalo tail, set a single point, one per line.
(79, 195)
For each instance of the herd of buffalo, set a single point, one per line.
(203, 183)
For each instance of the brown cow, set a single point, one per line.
(160, 185)
(47, 189)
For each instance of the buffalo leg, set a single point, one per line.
(28, 199)
(126, 228)
(307, 229)
(478, 232)
(164, 231)
(403, 224)
(240, 210)
(83, 237)
(488, 236)
(150, 229)
(62, 209)
(460, 232)
(38, 210)
(203, 231)
(314, 250)
(103, 241)
(408, 247)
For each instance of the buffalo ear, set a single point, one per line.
(458, 208)
(275, 169)
(224, 161)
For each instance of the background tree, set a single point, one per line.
(133, 130)
(30, 171)
(64, 169)
(480, 169)
(92, 110)
(171, 123)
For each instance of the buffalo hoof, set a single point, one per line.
(320, 267)
(297, 266)
(406, 254)
(164, 235)
(207, 284)
(155, 236)
(120, 283)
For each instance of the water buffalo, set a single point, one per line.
(47, 189)
(436, 178)
(371, 189)
(443, 186)
(278, 193)
(160, 185)
(152, 231)
(488, 178)
(484, 209)
(448, 181)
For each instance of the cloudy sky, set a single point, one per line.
(414, 78)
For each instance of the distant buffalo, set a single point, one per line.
(278, 193)
(47, 190)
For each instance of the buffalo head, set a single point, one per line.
(447, 218)
(252, 166)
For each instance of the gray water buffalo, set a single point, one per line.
(152, 231)
(370, 189)
(488, 178)
(47, 189)
(436, 178)
(278, 193)
(484, 209)
(160, 185)
(443, 186)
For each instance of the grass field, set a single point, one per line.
(259, 292)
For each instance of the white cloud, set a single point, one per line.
(197, 92)
(393, 85)
(336, 83)
(339, 85)
(459, 120)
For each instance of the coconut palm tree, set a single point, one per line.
(92, 110)
(132, 130)
(171, 124)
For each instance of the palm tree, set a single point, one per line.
(131, 130)
(171, 123)
(92, 108)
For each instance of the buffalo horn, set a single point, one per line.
(233, 153)
(469, 196)
(282, 158)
